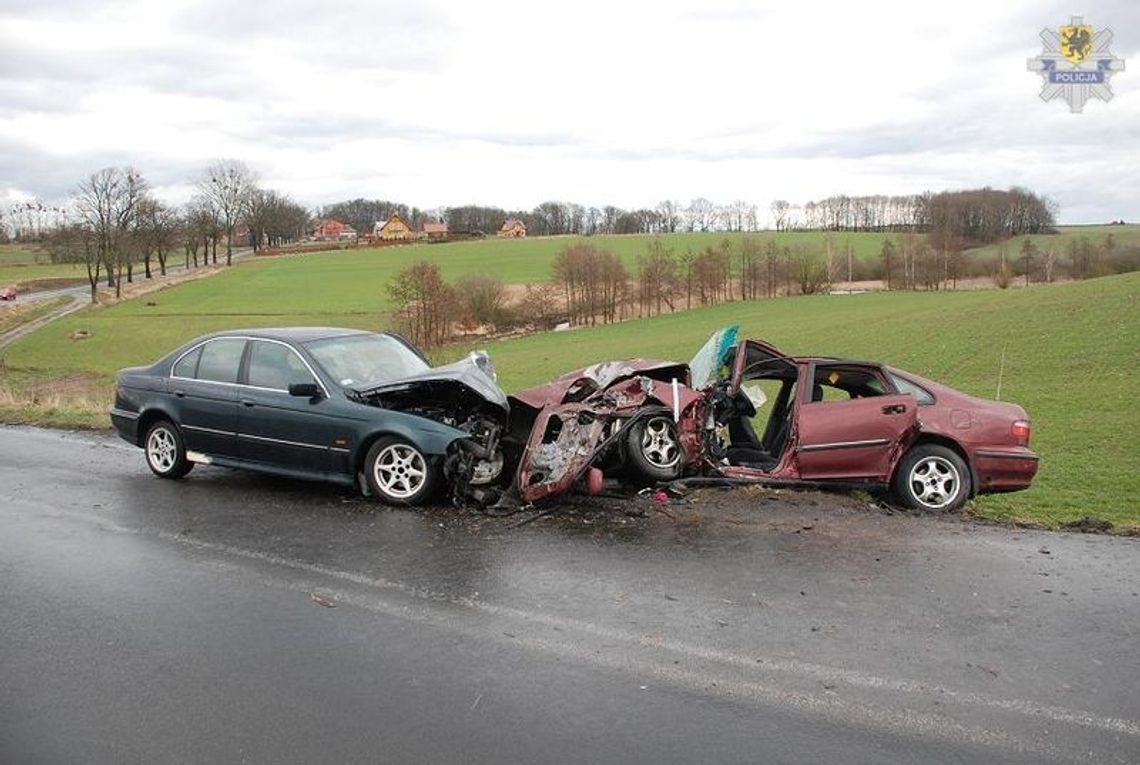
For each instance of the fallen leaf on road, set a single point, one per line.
(321, 600)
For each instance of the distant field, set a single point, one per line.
(1059, 243)
(22, 263)
(529, 260)
(355, 280)
(1069, 349)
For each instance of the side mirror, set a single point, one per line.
(305, 389)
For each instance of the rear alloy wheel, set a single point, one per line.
(165, 452)
(399, 473)
(654, 448)
(934, 478)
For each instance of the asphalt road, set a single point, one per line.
(82, 291)
(236, 618)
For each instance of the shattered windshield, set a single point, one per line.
(354, 360)
(707, 363)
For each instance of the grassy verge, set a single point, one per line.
(78, 400)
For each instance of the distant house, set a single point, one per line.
(333, 230)
(435, 230)
(393, 229)
(513, 228)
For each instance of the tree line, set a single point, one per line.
(591, 285)
(976, 216)
(114, 223)
(957, 219)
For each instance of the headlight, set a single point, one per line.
(483, 361)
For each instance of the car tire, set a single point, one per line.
(165, 451)
(932, 478)
(399, 473)
(654, 449)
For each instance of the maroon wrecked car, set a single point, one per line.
(747, 412)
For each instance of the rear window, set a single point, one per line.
(922, 395)
(187, 366)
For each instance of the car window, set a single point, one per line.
(833, 382)
(272, 365)
(904, 385)
(221, 359)
(187, 366)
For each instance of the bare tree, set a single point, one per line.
(540, 304)
(426, 305)
(483, 298)
(108, 204)
(227, 185)
(76, 243)
(702, 214)
(157, 230)
(670, 213)
(780, 209)
(200, 227)
(656, 279)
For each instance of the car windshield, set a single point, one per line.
(710, 358)
(356, 360)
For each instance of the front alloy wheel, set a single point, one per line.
(399, 473)
(654, 448)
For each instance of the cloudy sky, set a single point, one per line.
(513, 103)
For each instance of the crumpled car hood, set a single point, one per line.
(466, 371)
(595, 377)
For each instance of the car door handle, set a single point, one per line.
(180, 394)
(894, 409)
(247, 402)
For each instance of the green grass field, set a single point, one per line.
(1069, 352)
(1059, 243)
(20, 263)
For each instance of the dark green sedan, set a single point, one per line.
(338, 405)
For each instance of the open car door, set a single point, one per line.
(756, 359)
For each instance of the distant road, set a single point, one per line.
(83, 291)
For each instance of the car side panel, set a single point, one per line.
(289, 431)
(207, 413)
(856, 439)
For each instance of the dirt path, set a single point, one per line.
(16, 333)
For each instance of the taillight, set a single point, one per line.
(1020, 431)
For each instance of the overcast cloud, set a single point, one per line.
(513, 103)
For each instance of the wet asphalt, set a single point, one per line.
(231, 617)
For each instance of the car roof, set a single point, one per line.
(292, 334)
